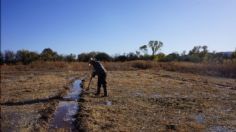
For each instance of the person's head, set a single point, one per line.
(92, 61)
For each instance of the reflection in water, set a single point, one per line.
(63, 117)
(109, 103)
(200, 118)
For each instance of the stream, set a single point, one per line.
(63, 117)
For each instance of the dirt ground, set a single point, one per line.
(142, 100)
(152, 100)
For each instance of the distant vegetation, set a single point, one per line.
(197, 54)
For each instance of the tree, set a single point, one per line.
(48, 55)
(233, 56)
(131, 56)
(26, 56)
(1, 58)
(195, 50)
(198, 53)
(204, 51)
(137, 53)
(70, 58)
(172, 57)
(143, 49)
(85, 57)
(102, 56)
(121, 58)
(10, 56)
(155, 46)
(159, 57)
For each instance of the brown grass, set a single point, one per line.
(143, 97)
(223, 70)
(226, 69)
(28, 98)
(148, 100)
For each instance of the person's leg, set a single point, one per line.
(99, 84)
(104, 84)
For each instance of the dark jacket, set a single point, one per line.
(98, 69)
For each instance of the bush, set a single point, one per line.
(142, 64)
(171, 57)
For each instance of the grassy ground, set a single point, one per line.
(148, 100)
(139, 100)
(29, 98)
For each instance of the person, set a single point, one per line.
(100, 71)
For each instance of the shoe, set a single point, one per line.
(96, 94)
(105, 95)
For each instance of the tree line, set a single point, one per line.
(197, 54)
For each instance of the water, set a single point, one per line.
(64, 114)
(108, 103)
(200, 118)
(220, 129)
(74, 91)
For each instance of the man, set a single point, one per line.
(100, 71)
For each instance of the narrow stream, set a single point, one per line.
(65, 111)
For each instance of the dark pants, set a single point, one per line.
(102, 82)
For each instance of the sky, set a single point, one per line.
(117, 26)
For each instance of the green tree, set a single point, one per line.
(155, 46)
(195, 50)
(26, 56)
(10, 57)
(1, 58)
(204, 52)
(137, 53)
(172, 57)
(85, 57)
(143, 49)
(159, 57)
(48, 55)
(70, 57)
(102, 56)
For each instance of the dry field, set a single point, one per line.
(139, 100)
(149, 100)
(29, 98)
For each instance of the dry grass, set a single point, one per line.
(143, 97)
(28, 98)
(148, 100)
(223, 70)
(227, 69)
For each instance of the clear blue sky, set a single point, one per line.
(117, 26)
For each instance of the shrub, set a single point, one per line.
(142, 64)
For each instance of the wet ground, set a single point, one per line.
(63, 117)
